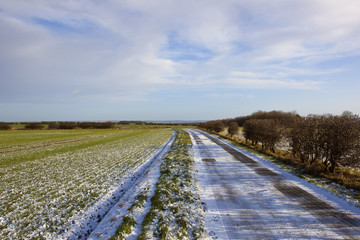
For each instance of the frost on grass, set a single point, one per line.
(43, 197)
(175, 207)
(129, 220)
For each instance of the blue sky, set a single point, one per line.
(177, 60)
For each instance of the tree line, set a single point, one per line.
(331, 140)
(328, 140)
(61, 125)
(5, 126)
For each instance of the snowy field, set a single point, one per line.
(52, 182)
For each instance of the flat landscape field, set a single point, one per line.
(51, 177)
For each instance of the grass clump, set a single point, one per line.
(125, 228)
(129, 221)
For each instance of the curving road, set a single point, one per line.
(244, 199)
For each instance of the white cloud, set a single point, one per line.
(272, 84)
(257, 44)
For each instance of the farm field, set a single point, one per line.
(49, 179)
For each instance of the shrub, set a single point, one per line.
(67, 125)
(96, 125)
(216, 126)
(34, 126)
(334, 140)
(233, 128)
(5, 126)
(52, 125)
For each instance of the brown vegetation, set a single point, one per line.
(216, 126)
(266, 131)
(5, 126)
(34, 126)
(233, 128)
(325, 145)
(331, 140)
(86, 125)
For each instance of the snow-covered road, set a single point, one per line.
(245, 198)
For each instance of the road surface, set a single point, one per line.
(244, 199)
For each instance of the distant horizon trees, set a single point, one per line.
(34, 126)
(60, 125)
(5, 126)
(284, 118)
(216, 126)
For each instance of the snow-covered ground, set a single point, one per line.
(65, 195)
(248, 198)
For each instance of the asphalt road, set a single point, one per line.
(244, 199)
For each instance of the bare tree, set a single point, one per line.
(305, 138)
(266, 131)
(233, 128)
(249, 129)
(333, 140)
(216, 126)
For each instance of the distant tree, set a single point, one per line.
(34, 126)
(219, 126)
(266, 131)
(233, 128)
(285, 118)
(96, 125)
(271, 132)
(216, 126)
(67, 125)
(108, 125)
(250, 131)
(5, 126)
(304, 139)
(52, 125)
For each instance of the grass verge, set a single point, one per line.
(176, 211)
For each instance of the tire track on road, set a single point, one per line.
(336, 220)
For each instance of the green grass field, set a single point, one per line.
(20, 146)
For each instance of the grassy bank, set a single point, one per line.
(176, 208)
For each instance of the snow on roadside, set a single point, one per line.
(88, 221)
